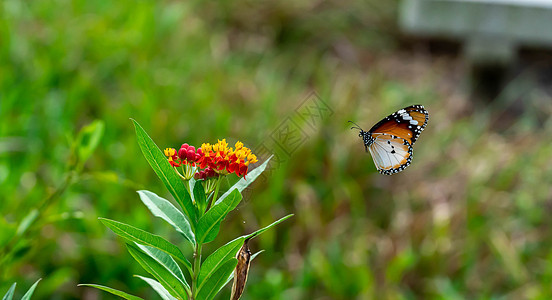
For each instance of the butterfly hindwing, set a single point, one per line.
(391, 154)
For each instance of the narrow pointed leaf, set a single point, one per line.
(30, 292)
(158, 288)
(27, 222)
(209, 225)
(215, 282)
(199, 195)
(140, 236)
(9, 294)
(258, 232)
(217, 259)
(166, 260)
(113, 291)
(166, 173)
(88, 139)
(163, 209)
(165, 277)
(243, 183)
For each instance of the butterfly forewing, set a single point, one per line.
(391, 154)
(406, 123)
(418, 113)
(397, 129)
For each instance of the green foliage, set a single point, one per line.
(155, 254)
(199, 195)
(10, 293)
(134, 234)
(213, 263)
(164, 209)
(243, 183)
(209, 224)
(164, 259)
(469, 212)
(213, 284)
(87, 140)
(159, 289)
(30, 292)
(165, 172)
(168, 279)
(112, 291)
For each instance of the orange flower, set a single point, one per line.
(217, 159)
(225, 160)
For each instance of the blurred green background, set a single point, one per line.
(468, 218)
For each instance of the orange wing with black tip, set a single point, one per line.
(407, 123)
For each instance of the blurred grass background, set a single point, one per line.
(469, 218)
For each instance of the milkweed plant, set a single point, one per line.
(193, 176)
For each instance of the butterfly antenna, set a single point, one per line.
(355, 127)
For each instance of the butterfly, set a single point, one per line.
(390, 141)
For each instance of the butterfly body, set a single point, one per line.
(390, 141)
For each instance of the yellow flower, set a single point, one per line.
(169, 152)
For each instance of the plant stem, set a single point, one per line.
(8, 251)
(197, 267)
(214, 195)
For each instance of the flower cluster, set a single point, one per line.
(226, 160)
(217, 159)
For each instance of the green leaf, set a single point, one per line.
(256, 233)
(165, 277)
(158, 288)
(140, 236)
(163, 209)
(166, 260)
(88, 140)
(243, 183)
(199, 195)
(209, 225)
(30, 292)
(112, 291)
(9, 294)
(7, 232)
(217, 259)
(213, 284)
(166, 173)
(27, 222)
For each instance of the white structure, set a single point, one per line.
(491, 30)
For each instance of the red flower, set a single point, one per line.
(215, 160)
(226, 160)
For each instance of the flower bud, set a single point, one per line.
(182, 153)
(190, 155)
